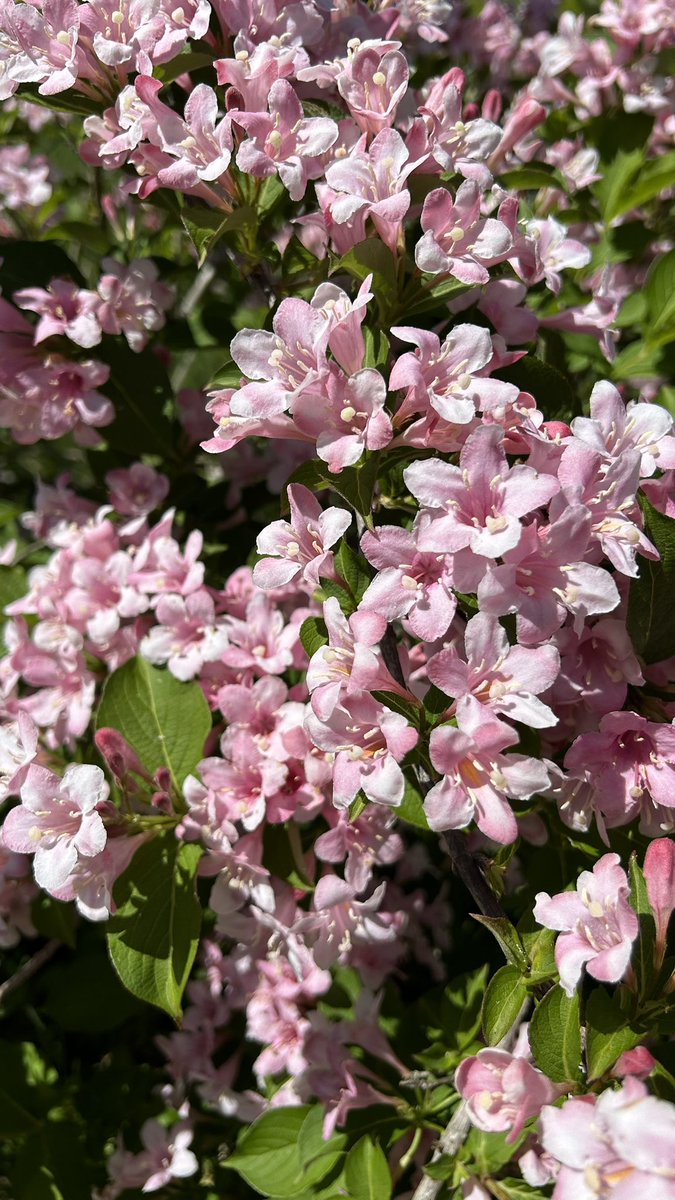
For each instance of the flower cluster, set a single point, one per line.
(335, 587)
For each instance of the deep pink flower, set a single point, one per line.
(659, 869)
(597, 922)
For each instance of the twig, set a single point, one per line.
(457, 1128)
(29, 968)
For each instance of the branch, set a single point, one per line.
(29, 968)
(465, 865)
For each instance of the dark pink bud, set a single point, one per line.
(638, 1062)
(492, 105)
(161, 802)
(557, 429)
(659, 872)
(163, 778)
(470, 112)
(119, 755)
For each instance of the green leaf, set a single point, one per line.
(555, 1036)
(608, 1033)
(166, 721)
(367, 1172)
(540, 949)
(313, 635)
(153, 937)
(377, 348)
(352, 568)
(372, 258)
(643, 950)
(411, 808)
(505, 996)
(33, 264)
(267, 1154)
(55, 919)
(353, 484)
(399, 704)
(434, 295)
(207, 225)
(532, 177)
(186, 63)
(141, 391)
(318, 1157)
(651, 613)
(489, 1151)
(636, 361)
(13, 584)
(508, 937)
(615, 185)
(659, 291)
(655, 177)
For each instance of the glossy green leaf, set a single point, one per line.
(555, 1036)
(166, 721)
(504, 999)
(313, 635)
(367, 1172)
(153, 936)
(651, 613)
(608, 1033)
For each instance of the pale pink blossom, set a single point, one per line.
(369, 741)
(659, 869)
(456, 239)
(502, 1091)
(133, 301)
(58, 821)
(597, 924)
(614, 428)
(285, 141)
(618, 1146)
(301, 547)
(410, 584)
(371, 183)
(18, 748)
(64, 309)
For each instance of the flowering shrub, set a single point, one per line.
(337, 745)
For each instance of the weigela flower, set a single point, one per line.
(597, 922)
(615, 427)
(369, 741)
(618, 1145)
(18, 748)
(373, 85)
(408, 584)
(502, 1091)
(506, 679)
(285, 141)
(479, 503)
(58, 821)
(64, 309)
(371, 183)
(631, 763)
(456, 240)
(478, 777)
(301, 547)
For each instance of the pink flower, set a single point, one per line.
(506, 679)
(408, 584)
(479, 503)
(373, 84)
(64, 309)
(502, 1091)
(369, 742)
(285, 141)
(165, 1156)
(631, 762)
(478, 777)
(187, 634)
(58, 821)
(597, 922)
(456, 240)
(351, 419)
(618, 1146)
(132, 300)
(544, 577)
(340, 920)
(370, 183)
(136, 490)
(615, 427)
(545, 251)
(301, 548)
(18, 748)
(200, 144)
(449, 377)
(24, 179)
(350, 662)
(290, 360)
(455, 144)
